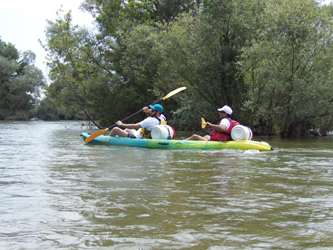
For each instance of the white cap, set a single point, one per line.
(226, 109)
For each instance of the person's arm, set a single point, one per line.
(219, 128)
(130, 126)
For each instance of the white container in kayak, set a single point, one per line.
(240, 132)
(162, 132)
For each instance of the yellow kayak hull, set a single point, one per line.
(179, 144)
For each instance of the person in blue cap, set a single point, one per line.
(141, 129)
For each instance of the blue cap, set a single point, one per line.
(157, 107)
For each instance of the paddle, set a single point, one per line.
(100, 132)
(203, 123)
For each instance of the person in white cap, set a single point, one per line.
(221, 131)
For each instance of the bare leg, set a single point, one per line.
(130, 131)
(119, 132)
(198, 137)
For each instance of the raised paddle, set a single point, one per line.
(100, 132)
(203, 123)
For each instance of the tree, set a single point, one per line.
(199, 50)
(20, 82)
(289, 70)
(114, 15)
(85, 74)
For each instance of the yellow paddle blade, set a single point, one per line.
(94, 135)
(174, 92)
(203, 123)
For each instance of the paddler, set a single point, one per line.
(141, 129)
(221, 131)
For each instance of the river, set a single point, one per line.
(58, 193)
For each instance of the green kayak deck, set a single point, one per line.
(178, 144)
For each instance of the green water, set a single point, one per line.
(57, 193)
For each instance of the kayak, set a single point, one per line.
(178, 144)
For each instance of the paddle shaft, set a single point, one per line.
(132, 115)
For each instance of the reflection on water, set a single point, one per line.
(57, 192)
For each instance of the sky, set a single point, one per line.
(23, 22)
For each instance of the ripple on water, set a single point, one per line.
(57, 192)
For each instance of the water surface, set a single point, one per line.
(58, 193)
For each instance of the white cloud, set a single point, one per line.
(22, 22)
(31, 6)
(40, 6)
(327, 2)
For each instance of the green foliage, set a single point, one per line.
(115, 15)
(269, 60)
(199, 51)
(87, 75)
(289, 70)
(20, 83)
(48, 111)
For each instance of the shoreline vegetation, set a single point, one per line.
(269, 60)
